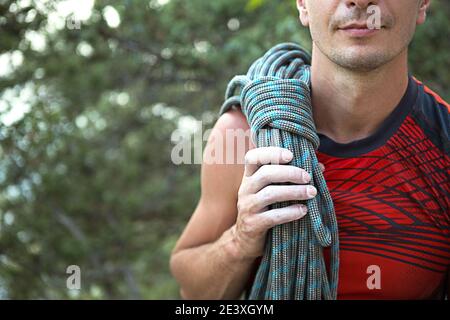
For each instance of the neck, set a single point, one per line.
(349, 105)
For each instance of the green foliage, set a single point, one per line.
(85, 173)
(430, 50)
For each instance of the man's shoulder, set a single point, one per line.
(233, 119)
(430, 99)
(432, 113)
(234, 129)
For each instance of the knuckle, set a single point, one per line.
(301, 192)
(252, 156)
(248, 158)
(301, 171)
(253, 205)
(242, 189)
(294, 211)
(263, 174)
(270, 221)
(298, 209)
(240, 207)
(244, 221)
(305, 175)
(247, 225)
(291, 173)
(262, 170)
(249, 182)
(266, 195)
(275, 217)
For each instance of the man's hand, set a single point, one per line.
(264, 167)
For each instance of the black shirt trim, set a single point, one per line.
(387, 129)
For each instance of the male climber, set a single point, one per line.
(385, 149)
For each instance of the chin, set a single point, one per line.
(360, 59)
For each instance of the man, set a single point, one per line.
(385, 150)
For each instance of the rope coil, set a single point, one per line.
(275, 98)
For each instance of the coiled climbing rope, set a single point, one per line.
(275, 98)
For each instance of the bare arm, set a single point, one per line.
(216, 253)
(204, 260)
(212, 270)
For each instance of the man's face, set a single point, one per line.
(343, 30)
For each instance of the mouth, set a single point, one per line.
(359, 30)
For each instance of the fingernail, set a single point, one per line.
(286, 155)
(302, 210)
(311, 191)
(306, 177)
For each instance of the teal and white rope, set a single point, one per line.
(275, 98)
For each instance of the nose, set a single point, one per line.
(361, 4)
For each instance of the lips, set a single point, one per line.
(354, 26)
(358, 30)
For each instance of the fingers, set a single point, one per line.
(251, 229)
(269, 174)
(267, 155)
(255, 158)
(278, 216)
(273, 194)
(265, 169)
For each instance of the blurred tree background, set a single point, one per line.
(90, 93)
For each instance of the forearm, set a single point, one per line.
(212, 271)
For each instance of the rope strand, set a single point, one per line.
(275, 98)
